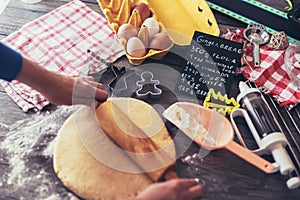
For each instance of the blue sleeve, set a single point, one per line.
(10, 63)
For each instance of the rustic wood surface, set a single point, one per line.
(223, 174)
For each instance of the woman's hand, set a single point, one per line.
(61, 89)
(174, 189)
(74, 90)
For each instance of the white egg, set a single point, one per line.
(135, 47)
(152, 25)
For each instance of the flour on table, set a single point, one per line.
(26, 157)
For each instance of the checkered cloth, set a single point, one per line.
(272, 75)
(59, 41)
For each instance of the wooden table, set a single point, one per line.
(27, 139)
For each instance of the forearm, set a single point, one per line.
(36, 76)
(60, 89)
(15, 67)
(57, 88)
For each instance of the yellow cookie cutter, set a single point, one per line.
(228, 106)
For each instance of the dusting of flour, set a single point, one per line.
(26, 151)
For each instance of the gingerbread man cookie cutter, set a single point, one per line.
(147, 87)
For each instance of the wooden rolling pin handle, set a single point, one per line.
(170, 174)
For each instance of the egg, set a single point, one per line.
(152, 25)
(135, 47)
(160, 41)
(126, 31)
(143, 10)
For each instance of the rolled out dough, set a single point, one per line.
(80, 170)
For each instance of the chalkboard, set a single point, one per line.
(210, 62)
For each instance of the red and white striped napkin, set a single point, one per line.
(59, 41)
(271, 75)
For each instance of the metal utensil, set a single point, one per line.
(257, 36)
(147, 86)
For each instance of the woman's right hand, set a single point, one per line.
(174, 189)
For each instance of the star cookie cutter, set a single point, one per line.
(147, 87)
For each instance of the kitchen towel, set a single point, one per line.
(271, 76)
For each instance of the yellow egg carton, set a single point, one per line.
(178, 18)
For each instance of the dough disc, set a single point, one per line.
(87, 174)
